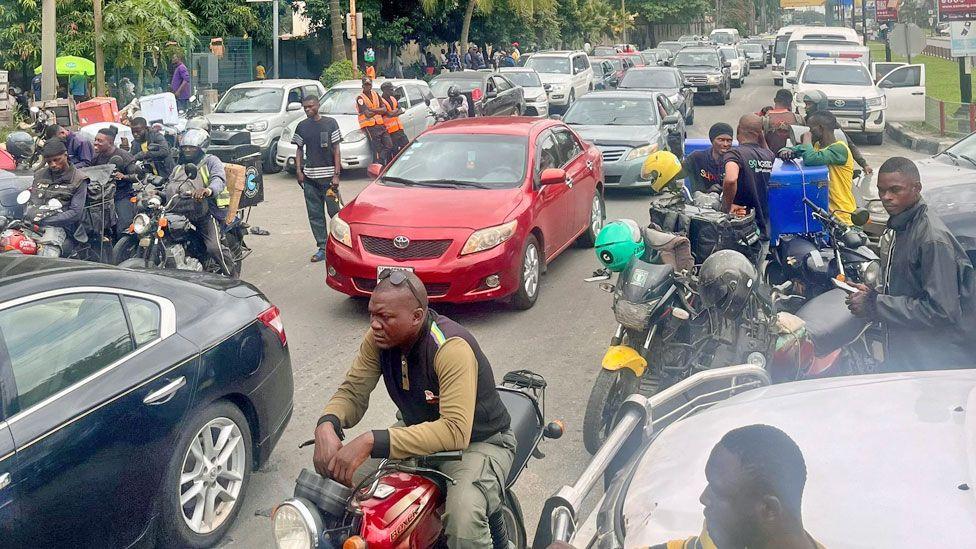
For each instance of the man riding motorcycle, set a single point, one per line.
(62, 181)
(455, 105)
(209, 186)
(126, 173)
(442, 384)
(150, 145)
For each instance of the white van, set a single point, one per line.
(725, 36)
(806, 50)
(779, 52)
(852, 97)
(790, 64)
(567, 75)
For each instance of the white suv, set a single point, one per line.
(852, 96)
(567, 75)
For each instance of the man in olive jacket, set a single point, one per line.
(928, 284)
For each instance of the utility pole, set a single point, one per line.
(623, 21)
(99, 52)
(864, 21)
(49, 50)
(274, 30)
(353, 32)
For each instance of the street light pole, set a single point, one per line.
(49, 51)
(623, 22)
(99, 52)
(274, 8)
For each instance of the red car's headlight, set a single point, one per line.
(486, 239)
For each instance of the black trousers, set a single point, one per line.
(317, 201)
(382, 145)
(400, 141)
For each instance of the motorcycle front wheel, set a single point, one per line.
(126, 248)
(609, 391)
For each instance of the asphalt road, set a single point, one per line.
(563, 337)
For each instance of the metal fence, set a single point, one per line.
(949, 117)
(219, 63)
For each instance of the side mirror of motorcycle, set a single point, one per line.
(23, 197)
(860, 217)
(54, 204)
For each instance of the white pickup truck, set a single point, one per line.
(859, 104)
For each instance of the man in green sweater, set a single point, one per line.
(820, 147)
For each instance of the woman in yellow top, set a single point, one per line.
(826, 150)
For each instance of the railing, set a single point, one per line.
(637, 420)
(949, 117)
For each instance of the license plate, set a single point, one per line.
(381, 268)
(696, 89)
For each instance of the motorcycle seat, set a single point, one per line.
(527, 426)
(829, 323)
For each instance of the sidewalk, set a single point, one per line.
(917, 139)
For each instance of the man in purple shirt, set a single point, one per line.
(181, 82)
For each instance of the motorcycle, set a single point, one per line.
(666, 332)
(29, 238)
(401, 503)
(807, 264)
(26, 147)
(161, 237)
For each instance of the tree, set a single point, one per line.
(135, 28)
(20, 32)
(338, 42)
(223, 17)
(522, 9)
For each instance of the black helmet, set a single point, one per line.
(453, 91)
(727, 279)
(20, 144)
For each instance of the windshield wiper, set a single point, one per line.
(452, 183)
(401, 180)
(970, 160)
(955, 158)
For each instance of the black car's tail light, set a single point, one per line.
(272, 319)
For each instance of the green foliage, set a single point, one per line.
(20, 32)
(337, 72)
(224, 17)
(137, 28)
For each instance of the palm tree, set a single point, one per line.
(523, 8)
(338, 43)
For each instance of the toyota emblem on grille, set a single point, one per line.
(839, 102)
(401, 242)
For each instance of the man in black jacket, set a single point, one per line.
(925, 297)
(152, 146)
(126, 173)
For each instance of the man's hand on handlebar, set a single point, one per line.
(327, 445)
(344, 464)
(200, 194)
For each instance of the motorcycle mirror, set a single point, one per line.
(860, 217)
(193, 98)
(23, 197)
(190, 170)
(54, 204)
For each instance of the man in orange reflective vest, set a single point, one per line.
(371, 113)
(392, 119)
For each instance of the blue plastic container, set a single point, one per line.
(789, 183)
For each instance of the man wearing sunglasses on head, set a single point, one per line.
(435, 373)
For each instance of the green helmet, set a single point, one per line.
(618, 243)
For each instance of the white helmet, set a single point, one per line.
(196, 137)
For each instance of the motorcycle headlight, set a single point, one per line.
(636, 316)
(296, 525)
(154, 201)
(354, 136)
(341, 232)
(870, 273)
(259, 126)
(641, 151)
(486, 239)
(140, 224)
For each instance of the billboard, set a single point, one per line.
(962, 39)
(886, 10)
(801, 3)
(957, 10)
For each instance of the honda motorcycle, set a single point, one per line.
(29, 238)
(400, 504)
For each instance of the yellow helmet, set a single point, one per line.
(661, 168)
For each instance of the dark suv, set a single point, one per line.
(705, 72)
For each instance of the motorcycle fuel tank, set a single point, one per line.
(404, 512)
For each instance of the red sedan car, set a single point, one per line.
(476, 207)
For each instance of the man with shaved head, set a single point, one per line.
(747, 170)
(444, 387)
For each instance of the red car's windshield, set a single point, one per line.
(472, 160)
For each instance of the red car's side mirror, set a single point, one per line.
(373, 170)
(552, 176)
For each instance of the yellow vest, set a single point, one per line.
(223, 197)
(841, 185)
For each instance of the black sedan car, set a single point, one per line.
(667, 80)
(489, 94)
(134, 405)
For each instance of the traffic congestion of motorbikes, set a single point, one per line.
(693, 287)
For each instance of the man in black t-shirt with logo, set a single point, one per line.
(747, 170)
(317, 166)
(705, 168)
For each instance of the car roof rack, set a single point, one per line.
(638, 419)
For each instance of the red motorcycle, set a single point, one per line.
(400, 503)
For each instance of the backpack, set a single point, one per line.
(776, 128)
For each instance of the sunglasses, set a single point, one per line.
(397, 278)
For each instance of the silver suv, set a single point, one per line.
(264, 108)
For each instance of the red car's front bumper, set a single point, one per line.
(449, 277)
